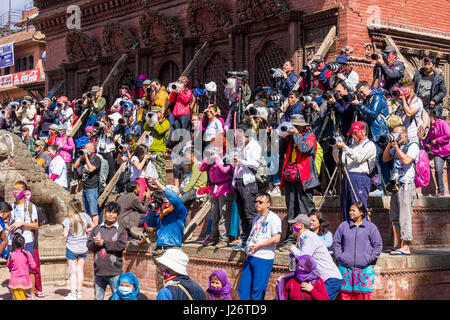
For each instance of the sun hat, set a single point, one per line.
(176, 260)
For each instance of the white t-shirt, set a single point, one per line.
(58, 167)
(19, 214)
(76, 242)
(407, 173)
(411, 123)
(135, 173)
(213, 129)
(265, 231)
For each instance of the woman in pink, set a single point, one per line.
(221, 191)
(437, 140)
(303, 284)
(19, 263)
(66, 146)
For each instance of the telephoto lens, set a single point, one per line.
(89, 95)
(284, 128)
(374, 56)
(80, 152)
(24, 102)
(121, 121)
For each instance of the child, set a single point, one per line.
(19, 263)
(76, 226)
(127, 287)
(220, 288)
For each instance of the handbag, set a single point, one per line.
(291, 172)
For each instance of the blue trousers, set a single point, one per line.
(333, 286)
(100, 284)
(90, 201)
(361, 185)
(255, 278)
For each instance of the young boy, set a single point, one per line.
(107, 240)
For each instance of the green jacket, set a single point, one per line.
(159, 133)
(101, 102)
(198, 178)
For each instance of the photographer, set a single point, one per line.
(94, 100)
(315, 76)
(66, 145)
(344, 110)
(159, 94)
(430, 86)
(159, 130)
(88, 165)
(128, 125)
(105, 143)
(391, 70)
(138, 163)
(346, 73)
(299, 173)
(405, 154)
(294, 107)
(123, 96)
(359, 160)
(48, 118)
(169, 218)
(288, 80)
(65, 115)
(410, 109)
(26, 113)
(181, 97)
(374, 111)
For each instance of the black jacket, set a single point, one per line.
(392, 75)
(438, 89)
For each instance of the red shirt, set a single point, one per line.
(292, 291)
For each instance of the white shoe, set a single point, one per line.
(71, 296)
(274, 192)
(79, 294)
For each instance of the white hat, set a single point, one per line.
(176, 260)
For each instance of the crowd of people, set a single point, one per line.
(381, 135)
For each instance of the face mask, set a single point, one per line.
(166, 274)
(19, 195)
(296, 228)
(125, 290)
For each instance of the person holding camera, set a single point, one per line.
(88, 165)
(138, 162)
(57, 170)
(294, 106)
(410, 109)
(261, 244)
(299, 173)
(181, 97)
(346, 73)
(359, 159)
(159, 95)
(402, 186)
(94, 100)
(159, 130)
(65, 114)
(26, 113)
(390, 69)
(288, 80)
(105, 143)
(167, 218)
(316, 75)
(374, 109)
(430, 86)
(345, 115)
(128, 125)
(49, 117)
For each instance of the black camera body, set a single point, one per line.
(352, 96)
(155, 205)
(251, 111)
(328, 95)
(376, 56)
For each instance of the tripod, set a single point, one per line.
(341, 168)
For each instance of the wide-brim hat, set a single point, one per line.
(95, 88)
(176, 260)
(156, 109)
(298, 120)
(53, 127)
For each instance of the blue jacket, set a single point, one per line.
(374, 107)
(290, 111)
(173, 292)
(170, 229)
(357, 247)
(286, 85)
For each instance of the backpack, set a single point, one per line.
(104, 170)
(318, 156)
(422, 169)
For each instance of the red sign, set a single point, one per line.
(28, 76)
(6, 81)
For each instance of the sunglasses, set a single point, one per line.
(259, 202)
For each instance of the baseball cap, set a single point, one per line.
(342, 59)
(389, 49)
(146, 82)
(95, 88)
(302, 218)
(358, 125)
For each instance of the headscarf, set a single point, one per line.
(301, 275)
(224, 292)
(130, 278)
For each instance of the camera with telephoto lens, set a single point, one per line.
(251, 111)
(352, 96)
(123, 147)
(312, 66)
(90, 95)
(376, 56)
(40, 105)
(331, 94)
(81, 152)
(12, 106)
(334, 140)
(174, 86)
(237, 74)
(334, 67)
(150, 89)
(25, 103)
(276, 72)
(155, 205)
(276, 96)
(394, 136)
(2, 113)
(308, 99)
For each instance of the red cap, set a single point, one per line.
(358, 125)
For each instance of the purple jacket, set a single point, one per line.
(357, 247)
(441, 133)
(220, 176)
(67, 145)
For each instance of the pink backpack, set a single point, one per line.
(422, 169)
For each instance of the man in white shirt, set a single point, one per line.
(244, 182)
(261, 245)
(359, 159)
(57, 168)
(405, 153)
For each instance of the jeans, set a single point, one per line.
(90, 201)
(255, 278)
(439, 169)
(182, 122)
(100, 283)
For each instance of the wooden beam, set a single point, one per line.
(409, 69)
(322, 51)
(199, 217)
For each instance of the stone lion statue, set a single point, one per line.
(17, 163)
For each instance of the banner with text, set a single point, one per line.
(7, 55)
